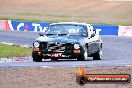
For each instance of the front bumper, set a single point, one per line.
(61, 55)
(63, 50)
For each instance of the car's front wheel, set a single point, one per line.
(84, 55)
(36, 57)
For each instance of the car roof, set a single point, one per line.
(76, 23)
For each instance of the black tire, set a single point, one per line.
(83, 56)
(97, 55)
(36, 58)
(81, 59)
(81, 80)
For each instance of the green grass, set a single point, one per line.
(19, 19)
(62, 20)
(13, 51)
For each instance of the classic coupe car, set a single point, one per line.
(68, 40)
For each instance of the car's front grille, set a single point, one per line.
(56, 47)
(43, 46)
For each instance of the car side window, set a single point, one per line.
(90, 30)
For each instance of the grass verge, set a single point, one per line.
(13, 51)
(63, 20)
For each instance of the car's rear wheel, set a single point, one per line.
(84, 55)
(98, 55)
(36, 57)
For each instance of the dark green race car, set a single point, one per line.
(68, 40)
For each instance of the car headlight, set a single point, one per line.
(36, 44)
(76, 46)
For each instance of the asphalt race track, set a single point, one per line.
(116, 51)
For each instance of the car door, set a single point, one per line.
(92, 45)
(96, 43)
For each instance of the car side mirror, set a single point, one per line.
(41, 34)
(94, 31)
(92, 35)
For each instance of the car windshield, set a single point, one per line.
(67, 29)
